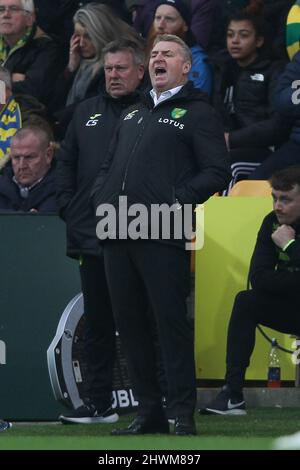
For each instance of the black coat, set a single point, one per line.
(41, 197)
(79, 161)
(256, 124)
(287, 99)
(39, 59)
(271, 270)
(173, 151)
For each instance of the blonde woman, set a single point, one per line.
(95, 25)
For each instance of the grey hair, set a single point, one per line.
(28, 5)
(102, 25)
(40, 133)
(186, 52)
(5, 76)
(133, 47)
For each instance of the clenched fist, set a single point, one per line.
(283, 235)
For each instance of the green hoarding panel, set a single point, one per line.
(37, 282)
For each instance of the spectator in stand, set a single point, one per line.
(94, 27)
(10, 115)
(31, 56)
(244, 84)
(202, 14)
(17, 111)
(173, 17)
(274, 13)
(287, 104)
(27, 185)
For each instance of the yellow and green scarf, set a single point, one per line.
(6, 51)
(293, 30)
(10, 122)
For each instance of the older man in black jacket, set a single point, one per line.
(79, 160)
(26, 51)
(28, 184)
(169, 152)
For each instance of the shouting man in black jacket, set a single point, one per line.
(169, 152)
(274, 298)
(79, 160)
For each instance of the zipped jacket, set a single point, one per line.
(79, 160)
(273, 270)
(172, 152)
(256, 122)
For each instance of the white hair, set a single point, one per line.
(28, 5)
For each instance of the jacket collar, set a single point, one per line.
(188, 91)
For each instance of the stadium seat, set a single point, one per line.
(258, 188)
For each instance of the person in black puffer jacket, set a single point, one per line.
(244, 84)
(287, 104)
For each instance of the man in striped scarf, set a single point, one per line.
(10, 115)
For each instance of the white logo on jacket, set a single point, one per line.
(171, 122)
(258, 77)
(93, 121)
(131, 115)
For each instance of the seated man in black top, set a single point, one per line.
(27, 184)
(274, 299)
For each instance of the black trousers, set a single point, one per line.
(250, 309)
(99, 330)
(142, 273)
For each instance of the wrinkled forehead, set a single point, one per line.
(167, 46)
(123, 57)
(7, 3)
(10, 2)
(29, 143)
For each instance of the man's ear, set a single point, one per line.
(141, 72)
(49, 153)
(259, 41)
(187, 67)
(30, 19)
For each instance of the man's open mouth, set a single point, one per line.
(159, 71)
